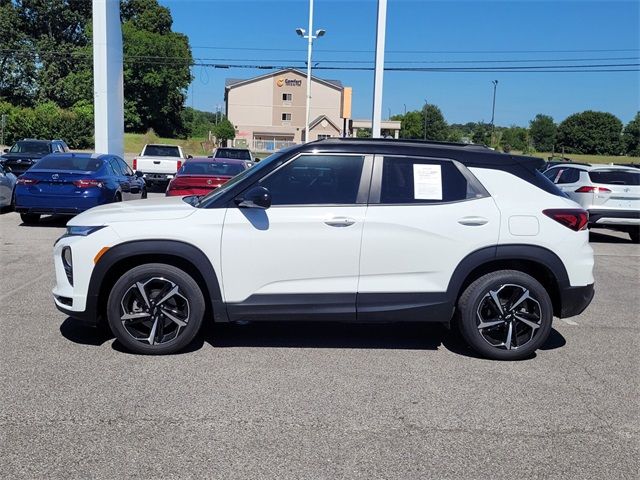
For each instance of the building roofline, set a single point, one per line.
(328, 83)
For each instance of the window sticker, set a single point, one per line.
(427, 182)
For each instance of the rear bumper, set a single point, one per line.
(574, 300)
(157, 177)
(614, 217)
(52, 205)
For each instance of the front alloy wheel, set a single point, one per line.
(155, 309)
(505, 315)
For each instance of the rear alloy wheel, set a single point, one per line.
(30, 218)
(155, 309)
(505, 315)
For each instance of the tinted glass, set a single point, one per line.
(615, 177)
(31, 147)
(236, 154)
(316, 179)
(82, 164)
(115, 167)
(126, 170)
(162, 151)
(568, 175)
(212, 168)
(412, 180)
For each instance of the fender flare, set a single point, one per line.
(533, 253)
(175, 248)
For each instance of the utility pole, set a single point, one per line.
(3, 123)
(381, 29)
(493, 108)
(425, 118)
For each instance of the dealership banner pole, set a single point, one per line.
(108, 83)
(310, 46)
(379, 69)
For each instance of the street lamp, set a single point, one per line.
(493, 108)
(310, 37)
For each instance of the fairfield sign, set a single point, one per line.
(289, 82)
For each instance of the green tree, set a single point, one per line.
(631, 137)
(589, 132)
(411, 125)
(434, 124)
(481, 133)
(224, 131)
(543, 131)
(363, 133)
(514, 138)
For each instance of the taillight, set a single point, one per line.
(574, 218)
(135, 164)
(179, 164)
(27, 181)
(86, 183)
(590, 189)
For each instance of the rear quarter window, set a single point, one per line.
(615, 177)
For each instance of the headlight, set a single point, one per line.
(82, 231)
(79, 232)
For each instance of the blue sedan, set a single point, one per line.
(70, 183)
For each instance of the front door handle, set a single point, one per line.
(340, 221)
(473, 221)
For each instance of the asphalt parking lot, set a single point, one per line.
(317, 401)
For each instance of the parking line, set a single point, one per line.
(569, 322)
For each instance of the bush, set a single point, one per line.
(631, 137)
(48, 121)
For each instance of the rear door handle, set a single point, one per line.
(473, 221)
(340, 221)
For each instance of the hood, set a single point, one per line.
(147, 210)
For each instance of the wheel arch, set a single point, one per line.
(125, 256)
(539, 262)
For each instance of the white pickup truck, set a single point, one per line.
(159, 163)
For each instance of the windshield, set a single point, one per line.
(212, 168)
(257, 170)
(30, 147)
(235, 153)
(81, 164)
(162, 151)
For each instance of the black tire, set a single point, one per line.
(476, 306)
(144, 194)
(118, 197)
(635, 235)
(156, 279)
(30, 218)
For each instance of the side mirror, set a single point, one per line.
(256, 159)
(189, 156)
(257, 197)
(6, 150)
(139, 174)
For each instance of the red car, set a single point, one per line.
(198, 176)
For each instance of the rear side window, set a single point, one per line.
(316, 180)
(569, 175)
(162, 151)
(81, 164)
(416, 180)
(615, 177)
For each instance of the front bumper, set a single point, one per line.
(574, 300)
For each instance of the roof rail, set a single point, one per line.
(404, 140)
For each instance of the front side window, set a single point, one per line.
(418, 180)
(126, 170)
(316, 180)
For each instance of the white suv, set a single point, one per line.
(341, 229)
(610, 193)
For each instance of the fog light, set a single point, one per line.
(67, 263)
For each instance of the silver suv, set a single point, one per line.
(610, 193)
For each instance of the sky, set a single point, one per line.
(538, 32)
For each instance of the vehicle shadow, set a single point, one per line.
(53, 221)
(317, 335)
(608, 236)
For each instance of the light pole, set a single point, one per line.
(310, 37)
(425, 118)
(493, 108)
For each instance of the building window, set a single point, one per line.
(323, 136)
(286, 117)
(287, 97)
